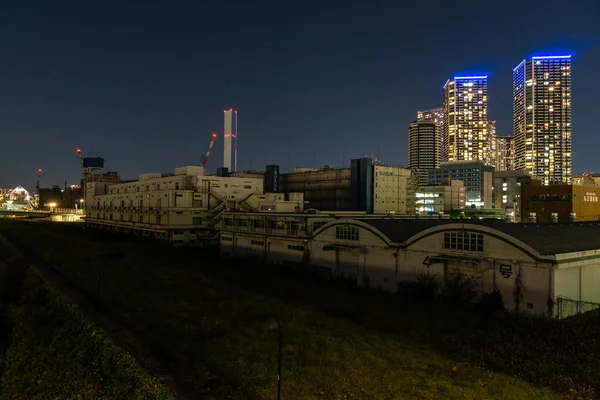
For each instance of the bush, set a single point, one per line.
(460, 288)
(12, 275)
(55, 353)
(490, 303)
(427, 286)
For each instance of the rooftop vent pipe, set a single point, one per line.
(533, 217)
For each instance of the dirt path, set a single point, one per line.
(119, 333)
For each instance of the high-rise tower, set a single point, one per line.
(424, 147)
(542, 117)
(435, 115)
(466, 128)
(230, 140)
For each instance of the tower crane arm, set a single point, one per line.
(210, 146)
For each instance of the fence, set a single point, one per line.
(569, 307)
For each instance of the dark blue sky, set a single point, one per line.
(143, 84)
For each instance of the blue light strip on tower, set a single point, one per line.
(551, 57)
(471, 77)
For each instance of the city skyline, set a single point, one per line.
(143, 87)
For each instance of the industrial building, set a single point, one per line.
(382, 189)
(67, 197)
(477, 177)
(181, 207)
(558, 202)
(447, 197)
(362, 187)
(541, 263)
(542, 117)
(324, 189)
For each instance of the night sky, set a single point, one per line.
(143, 83)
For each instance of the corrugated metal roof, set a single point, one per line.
(545, 238)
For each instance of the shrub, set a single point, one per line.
(427, 286)
(460, 287)
(490, 303)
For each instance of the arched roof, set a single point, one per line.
(537, 240)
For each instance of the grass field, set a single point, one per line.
(205, 320)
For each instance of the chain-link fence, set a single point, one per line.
(569, 307)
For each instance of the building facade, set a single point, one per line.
(492, 153)
(230, 131)
(505, 153)
(394, 190)
(559, 202)
(444, 198)
(506, 185)
(434, 115)
(541, 263)
(182, 207)
(542, 117)
(324, 189)
(424, 147)
(477, 178)
(466, 126)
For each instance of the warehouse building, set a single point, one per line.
(541, 264)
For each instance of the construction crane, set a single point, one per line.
(37, 185)
(210, 146)
(80, 157)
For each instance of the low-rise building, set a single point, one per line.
(505, 188)
(181, 207)
(557, 202)
(444, 198)
(477, 176)
(544, 264)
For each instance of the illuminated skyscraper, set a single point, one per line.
(505, 153)
(424, 147)
(542, 117)
(466, 127)
(434, 115)
(230, 140)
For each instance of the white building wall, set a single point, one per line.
(578, 276)
(393, 189)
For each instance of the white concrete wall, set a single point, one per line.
(578, 276)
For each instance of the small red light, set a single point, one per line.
(79, 150)
(40, 170)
